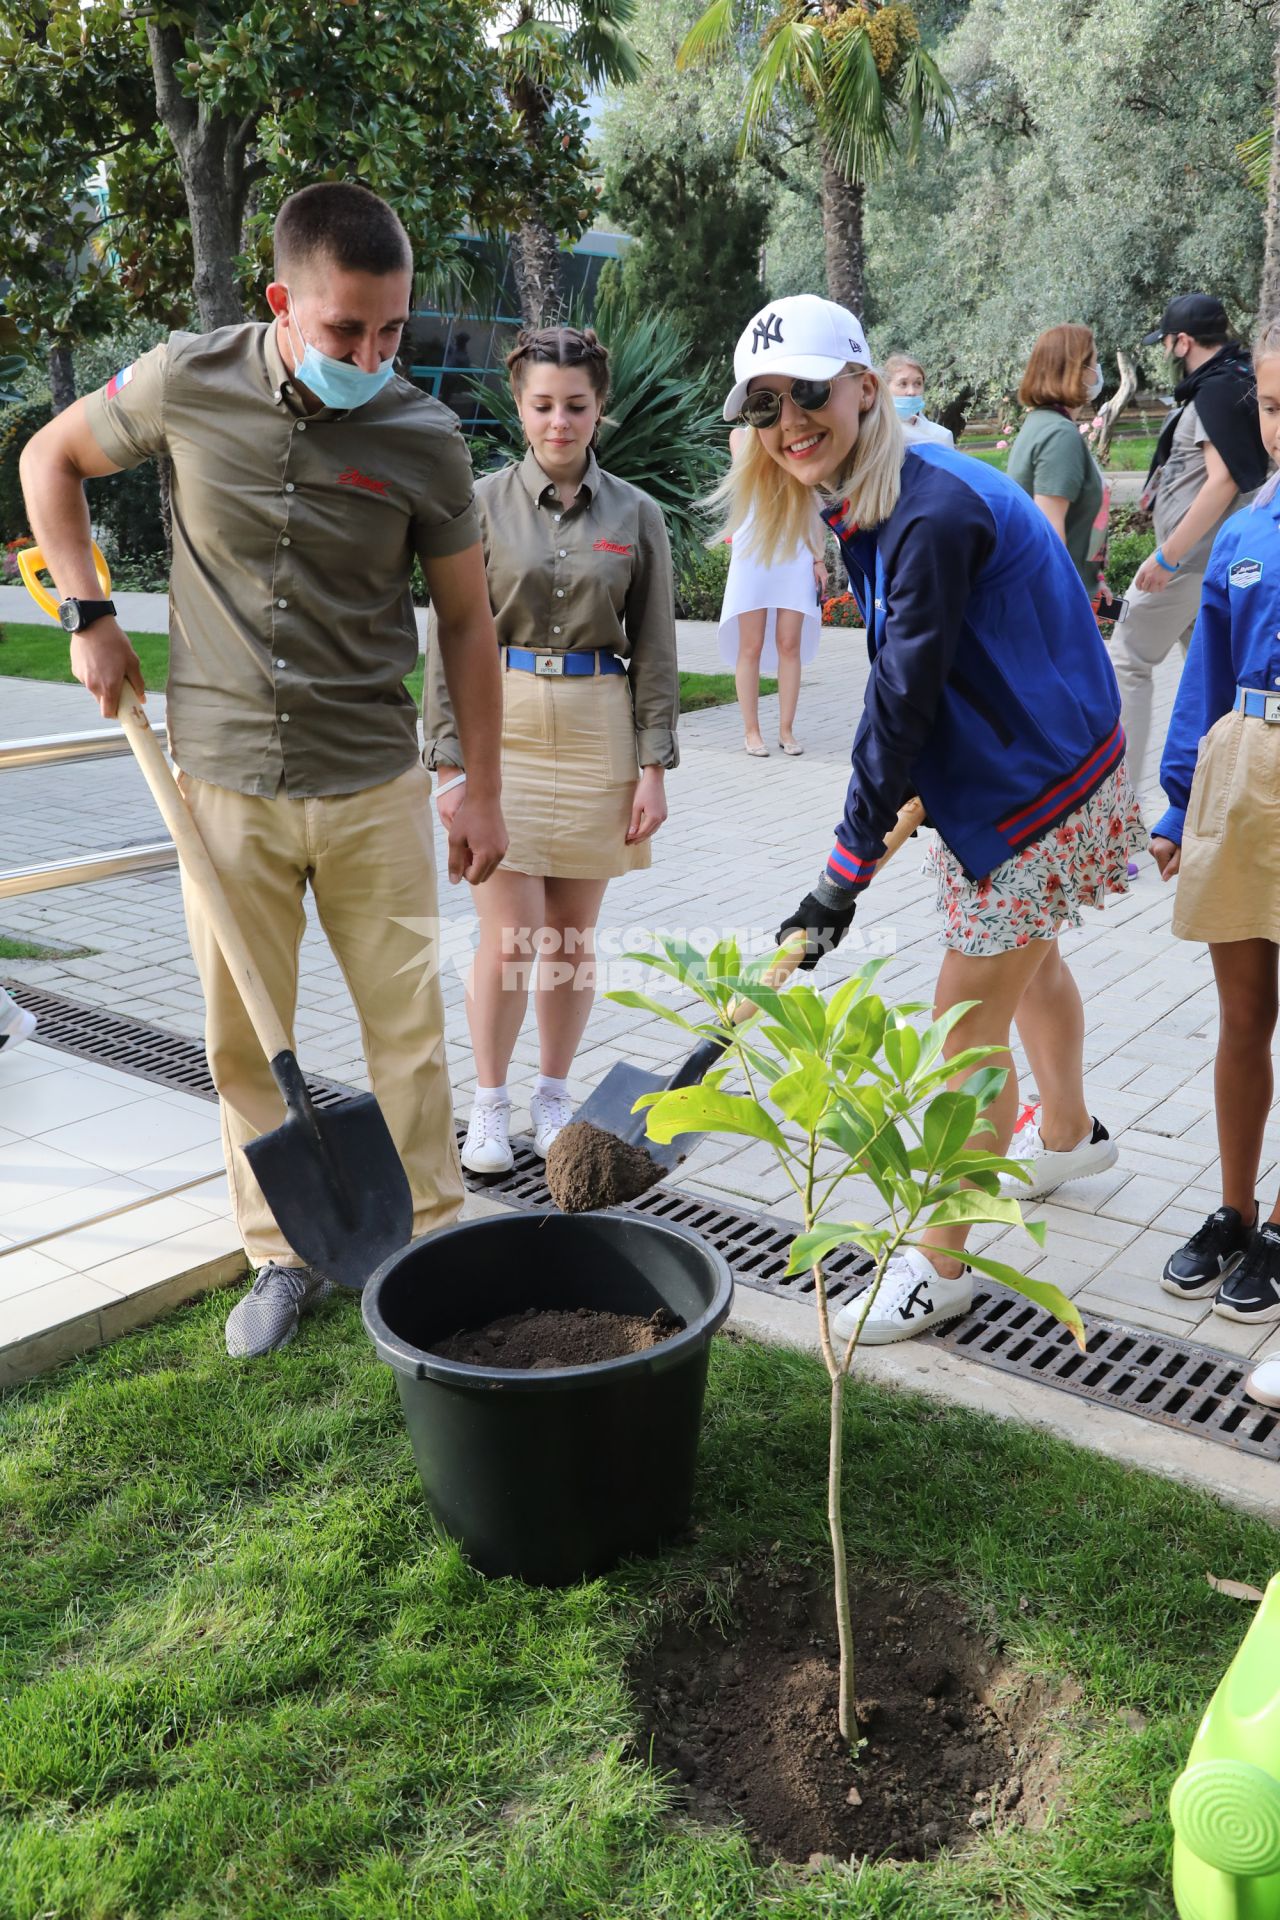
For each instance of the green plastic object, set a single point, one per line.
(1226, 1804)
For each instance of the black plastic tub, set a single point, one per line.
(553, 1475)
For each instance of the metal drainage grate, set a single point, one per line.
(134, 1046)
(1195, 1389)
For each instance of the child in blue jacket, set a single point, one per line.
(1221, 773)
(990, 695)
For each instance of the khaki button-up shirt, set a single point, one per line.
(595, 576)
(291, 626)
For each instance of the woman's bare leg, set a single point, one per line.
(1050, 1020)
(997, 983)
(510, 907)
(1246, 976)
(790, 626)
(567, 975)
(746, 676)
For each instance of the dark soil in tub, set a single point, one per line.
(746, 1721)
(574, 1338)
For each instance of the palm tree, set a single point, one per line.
(856, 73)
(553, 53)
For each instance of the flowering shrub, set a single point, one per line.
(842, 610)
(12, 548)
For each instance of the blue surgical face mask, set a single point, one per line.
(336, 383)
(908, 405)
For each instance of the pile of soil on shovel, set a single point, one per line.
(589, 1168)
(538, 1339)
(747, 1723)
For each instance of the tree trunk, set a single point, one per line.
(1116, 405)
(62, 376)
(210, 150)
(1269, 294)
(539, 274)
(842, 209)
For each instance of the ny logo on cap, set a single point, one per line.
(766, 332)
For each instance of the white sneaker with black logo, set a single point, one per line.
(912, 1297)
(1094, 1154)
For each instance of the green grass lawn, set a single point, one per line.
(1126, 456)
(41, 653)
(13, 949)
(245, 1680)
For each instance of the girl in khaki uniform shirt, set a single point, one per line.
(580, 579)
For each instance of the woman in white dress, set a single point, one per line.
(770, 622)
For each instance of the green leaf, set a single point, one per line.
(804, 1094)
(1042, 1293)
(902, 1050)
(707, 1110)
(948, 1122)
(807, 1249)
(934, 1036)
(627, 997)
(985, 1085)
(969, 1207)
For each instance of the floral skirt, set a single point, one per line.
(1041, 890)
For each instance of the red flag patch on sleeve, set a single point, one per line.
(119, 381)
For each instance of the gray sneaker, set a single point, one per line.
(267, 1318)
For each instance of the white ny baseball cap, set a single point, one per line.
(808, 338)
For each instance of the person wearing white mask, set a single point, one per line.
(306, 478)
(905, 380)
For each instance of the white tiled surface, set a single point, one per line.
(86, 1251)
(744, 840)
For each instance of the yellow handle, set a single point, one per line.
(30, 566)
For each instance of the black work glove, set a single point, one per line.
(825, 915)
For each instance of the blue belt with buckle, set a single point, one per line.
(1257, 705)
(554, 665)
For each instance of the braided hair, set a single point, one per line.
(561, 347)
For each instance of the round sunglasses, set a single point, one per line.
(764, 409)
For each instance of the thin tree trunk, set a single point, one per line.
(62, 375)
(1269, 294)
(539, 272)
(210, 149)
(848, 1710)
(842, 209)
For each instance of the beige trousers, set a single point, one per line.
(369, 860)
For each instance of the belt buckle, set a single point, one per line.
(1271, 708)
(552, 665)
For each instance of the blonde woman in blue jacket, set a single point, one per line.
(990, 695)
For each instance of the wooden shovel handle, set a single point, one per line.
(201, 875)
(909, 818)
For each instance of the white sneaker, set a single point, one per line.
(913, 1296)
(548, 1112)
(1263, 1384)
(487, 1147)
(16, 1024)
(1095, 1154)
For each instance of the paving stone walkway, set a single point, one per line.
(744, 840)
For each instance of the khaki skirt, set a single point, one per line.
(569, 772)
(1229, 873)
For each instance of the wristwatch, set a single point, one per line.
(75, 615)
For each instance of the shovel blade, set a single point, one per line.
(341, 1201)
(609, 1108)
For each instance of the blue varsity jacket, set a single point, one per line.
(991, 694)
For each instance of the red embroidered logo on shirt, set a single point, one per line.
(609, 546)
(354, 478)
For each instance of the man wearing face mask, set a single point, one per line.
(306, 477)
(1208, 460)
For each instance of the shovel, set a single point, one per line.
(610, 1106)
(333, 1180)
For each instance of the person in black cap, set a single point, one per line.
(1208, 459)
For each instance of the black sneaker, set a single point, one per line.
(1213, 1252)
(1253, 1291)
